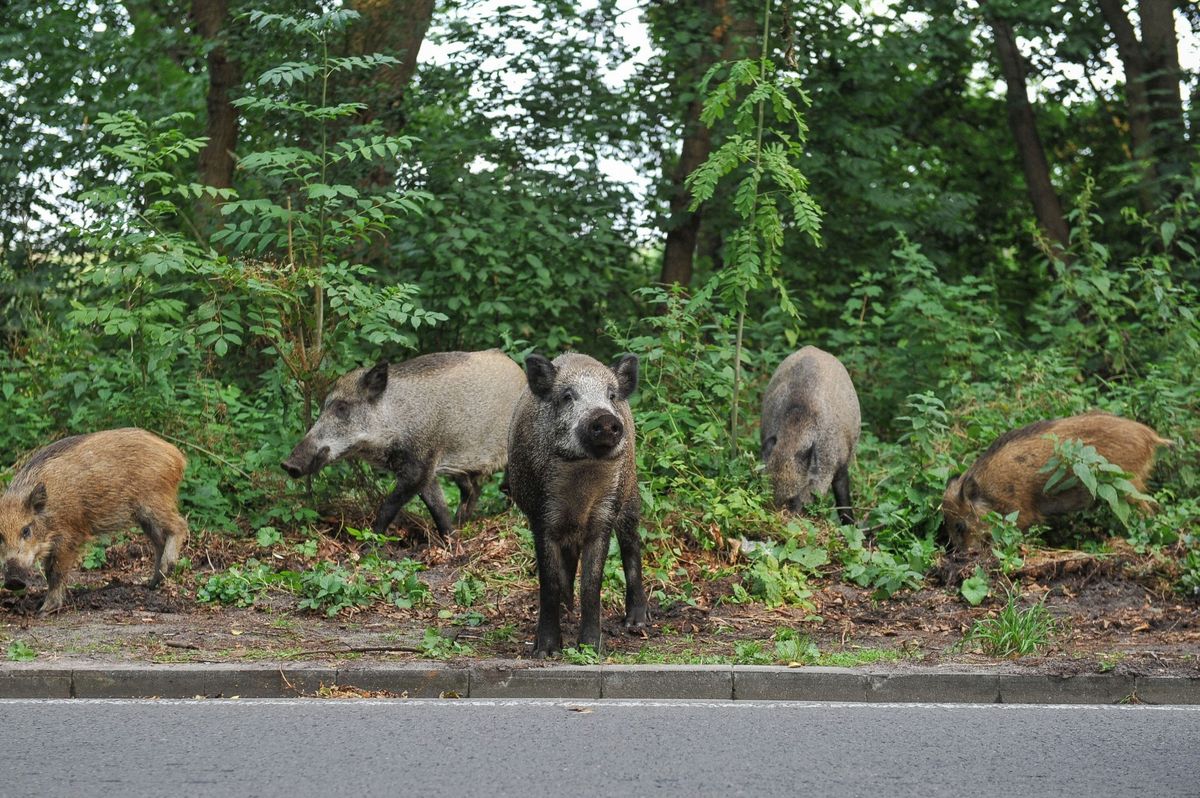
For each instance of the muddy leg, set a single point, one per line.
(550, 570)
(177, 534)
(637, 613)
(62, 562)
(153, 530)
(841, 492)
(435, 500)
(391, 506)
(595, 549)
(469, 487)
(168, 531)
(570, 566)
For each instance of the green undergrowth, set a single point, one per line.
(1014, 631)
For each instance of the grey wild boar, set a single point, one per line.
(1006, 476)
(445, 413)
(90, 485)
(810, 428)
(571, 471)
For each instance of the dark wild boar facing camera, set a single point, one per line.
(84, 486)
(571, 470)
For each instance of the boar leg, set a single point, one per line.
(469, 487)
(390, 507)
(409, 477)
(591, 575)
(637, 614)
(841, 492)
(58, 565)
(435, 500)
(167, 530)
(550, 570)
(570, 566)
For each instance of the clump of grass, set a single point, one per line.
(1014, 632)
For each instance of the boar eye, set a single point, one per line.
(338, 408)
(567, 396)
(27, 532)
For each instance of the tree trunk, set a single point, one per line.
(1129, 49)
(1152, 78)
(216, 159)
(396, 28)
(1162, 84)
(1021, 121)
(683, 226)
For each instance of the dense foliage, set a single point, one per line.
(880, 212)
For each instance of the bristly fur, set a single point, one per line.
(810, 430)
(575, 497)
(1007, 477)
(93, 484)
(440, 414)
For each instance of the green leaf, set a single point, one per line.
(975, 588)
(1085, 476)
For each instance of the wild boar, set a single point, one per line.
(1006, 478)
(810, 429)
(90, 485)
(571, 470)
(445, 413)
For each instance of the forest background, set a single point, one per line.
(987, 210)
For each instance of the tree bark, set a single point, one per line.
(216, 159)
(683, 226)
(1162, 83)
(1023, 125)
(396, 28)
(1152, 85)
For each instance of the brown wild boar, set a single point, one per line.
(810, 429)
(1006, 476)
(90, 485)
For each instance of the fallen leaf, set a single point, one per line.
(580, 710)
(235, 632)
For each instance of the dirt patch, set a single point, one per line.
(1113, 612)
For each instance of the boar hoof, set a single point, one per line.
(49, 607)
(544, 650)
(637, 618)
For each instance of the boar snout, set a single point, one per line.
(301, 462)
(15, 577)
(601, 432)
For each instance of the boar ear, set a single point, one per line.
(814, 462)
(375, 381)
(541, 373)
(969, 489)
(952, 482)
(768, 446)
(36, 501)
(626, 369)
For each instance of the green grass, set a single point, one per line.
(1014, 632)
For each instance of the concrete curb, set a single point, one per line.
(515, 680)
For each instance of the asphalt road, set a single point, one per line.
(299, 748)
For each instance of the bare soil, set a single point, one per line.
(1114, 612)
